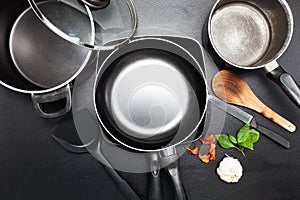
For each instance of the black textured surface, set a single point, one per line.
(33, 166)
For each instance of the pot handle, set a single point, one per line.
(173, 170)
(287, 84)
(62, 93)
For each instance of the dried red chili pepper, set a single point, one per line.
(193, 151)
(209, 139)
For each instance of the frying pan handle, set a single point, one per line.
(63, 93)
(173, 170)
(287, 84)
(155, 185)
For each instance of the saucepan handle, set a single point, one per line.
(287, 84)
(63, 93)
(173, 170)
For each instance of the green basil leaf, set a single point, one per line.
(246, 138)
(242, 134)
(232, 139)
(253, 136)
(224, 141)
(248, 145)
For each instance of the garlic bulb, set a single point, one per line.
(230, 170)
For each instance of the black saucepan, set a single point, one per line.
(150, 96)
(34, 60)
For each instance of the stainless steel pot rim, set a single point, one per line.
(91, 45)
(288, 11)
(52, 88)
(137, 39)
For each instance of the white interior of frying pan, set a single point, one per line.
(149, 96)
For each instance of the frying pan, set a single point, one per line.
(254, 34)
(149, 97)
(34, 60)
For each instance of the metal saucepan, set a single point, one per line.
(253, 34)
(36, 61)
(150, 96)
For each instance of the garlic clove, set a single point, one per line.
(230, 170)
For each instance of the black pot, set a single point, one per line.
(36, 61)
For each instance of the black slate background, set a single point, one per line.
(33, 166)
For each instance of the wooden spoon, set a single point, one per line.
(234, 90)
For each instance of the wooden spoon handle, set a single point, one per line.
(269, 113)
(233, 89)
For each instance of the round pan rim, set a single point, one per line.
(90, 46)
(163, 148)
(288, 10)
(42, 91)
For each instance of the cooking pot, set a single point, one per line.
(254, 34)
(34, 60)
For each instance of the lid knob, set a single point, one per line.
(96, 4)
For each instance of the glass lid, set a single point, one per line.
(89, 23)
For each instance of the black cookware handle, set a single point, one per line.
(174, 172)
(63, 93)
(155, 183)
(274, 136)
(155, 186)
(287, 84)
